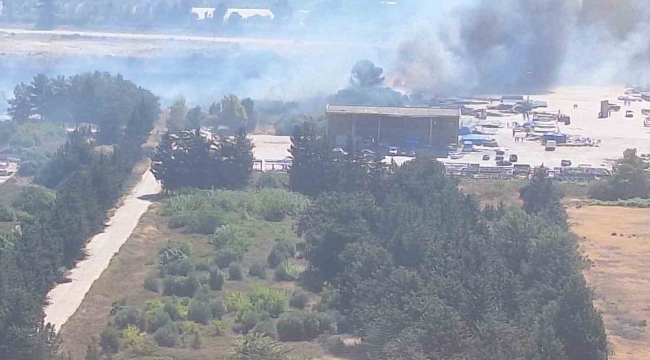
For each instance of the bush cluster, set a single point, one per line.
(184, 286)
(298, 300)
(280, 252)
(216, 280)
(258, 269)
(304, 326)
(235, 272)
(231, 243)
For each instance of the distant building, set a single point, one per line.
(203, 13)
(247, 13)
(409, 128)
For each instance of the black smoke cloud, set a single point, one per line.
(526, 45)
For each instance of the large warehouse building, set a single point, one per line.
(408, 128)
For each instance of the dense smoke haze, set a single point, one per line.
(443, 48)
(526, 45)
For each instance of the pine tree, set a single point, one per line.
(20, 107)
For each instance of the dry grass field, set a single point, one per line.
(617, 241)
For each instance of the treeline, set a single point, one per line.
(419, 270)
(54, 230)
(629, 181)
(98, 98)
(226, 116)
(204, 161)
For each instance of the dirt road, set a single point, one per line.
(65, 298)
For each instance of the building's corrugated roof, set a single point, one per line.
(391, 111)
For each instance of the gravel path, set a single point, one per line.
(64, 299)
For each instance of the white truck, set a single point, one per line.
(551, 145)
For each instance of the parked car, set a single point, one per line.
(550, 145)
(629, 114)
(565, 163)
(513, 158)
(500, 155)
(368, 154)
(393, 151)
(486, 157)
(503, 163)
(411, 153)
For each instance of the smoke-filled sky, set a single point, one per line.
(454, 47)
(509, 45)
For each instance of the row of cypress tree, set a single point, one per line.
(54, 231)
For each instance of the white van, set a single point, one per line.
(551, 145)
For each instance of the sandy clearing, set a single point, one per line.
(619, 273)
(65, 298)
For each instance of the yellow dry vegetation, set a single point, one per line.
(617, 242)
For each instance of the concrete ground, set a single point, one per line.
(616, 133)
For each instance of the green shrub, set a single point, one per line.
(266, 299)
(143, 347)
(219, 328)
(252, 318)
(7, 214)
(256, 346)
(276, 258)
(217, 308)
(280, 252)
(299, 300)
(172, 310)
(287, 272)
(110, 340)
(226, 256)
(276, 204)
(174, 254)
(216, 280)
(235, 272)
(203, 266)
(167, 336)
(328, 322)
(128, 316)
(206, 222)
(258, 269)
(179, 268)
(199, 312)
(197, 341)
(271, 181)
(290, 327)
(151, 283)
(34, 200)
(304, 326)
(231, 244)
(267, 328)
(311, 324)
(157, 319)
(238, 303)
(183, 286)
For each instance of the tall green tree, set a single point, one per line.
(195, 118)
(177, 119)
(236, 164)
(20, 107)
(540, 195)
(232, 114)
